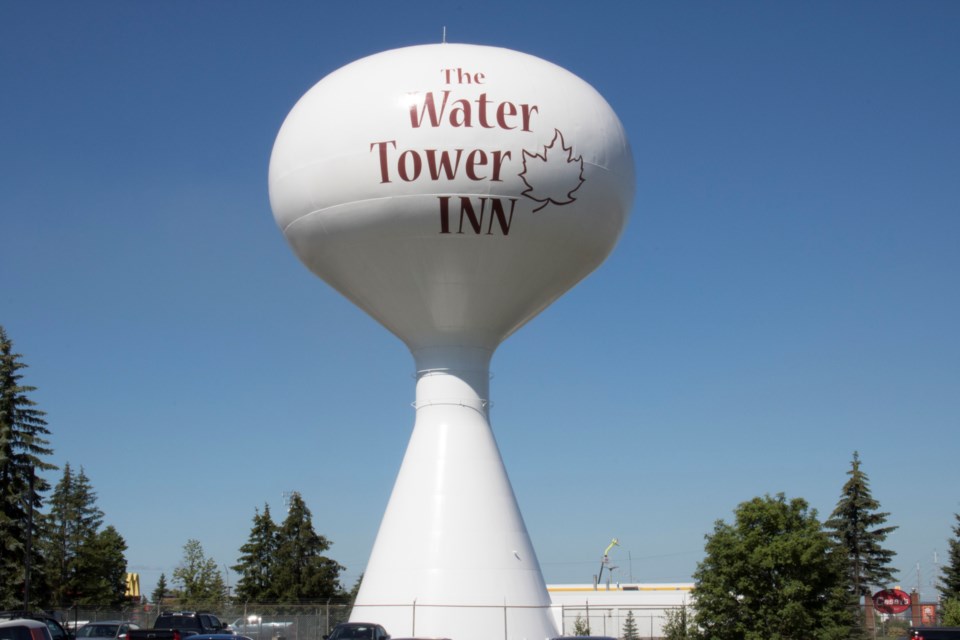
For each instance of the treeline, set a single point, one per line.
(56, 553)
(776, 570)
(282, 564)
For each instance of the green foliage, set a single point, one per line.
(161, 591)
(772, 574)
(856, 527)
(679, 625)
(23, 448)
(199, 578)
(630, 628)
(355, 590)
(75, 570)
(258, 555)
(581, 627)
(106, 570)
(301, 571)
(950, 580)
(286, 564)
(950, 612)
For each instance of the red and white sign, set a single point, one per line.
(891, 601)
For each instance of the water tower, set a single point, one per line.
(452, 192)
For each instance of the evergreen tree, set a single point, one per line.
(355, 590)
(772, 574)
(255, 565)
(630, 627)
(73, 525)
(856, 527)
(950, 581)
(22, 450)
(302, 572)
(104, 564)
(160, 591)
(199, 578)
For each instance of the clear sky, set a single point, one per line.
(786, 292)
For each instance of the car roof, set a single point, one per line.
(26, 622)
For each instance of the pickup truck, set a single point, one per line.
(175, 625)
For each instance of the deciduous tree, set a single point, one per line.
(23, 449)
(679, 624)
(773, 575)
(105, 565)
(950, 612)
(198, 577)
(581, 627)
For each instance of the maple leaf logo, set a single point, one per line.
(555, 167)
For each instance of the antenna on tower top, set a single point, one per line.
(444, 35)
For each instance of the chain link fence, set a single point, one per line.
(256, 621)
(313, 621)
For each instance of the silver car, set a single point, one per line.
(106, 629)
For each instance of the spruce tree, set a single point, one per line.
(856, 526)
(630, 627)
(23, 447)
(950, 580)
(160, 591)
(303, 573)
(73, 526)
(255, 565)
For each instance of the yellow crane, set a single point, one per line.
(606, 560)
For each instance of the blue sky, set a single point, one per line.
(785, 292)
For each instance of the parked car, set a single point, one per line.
(57, 632)
(24, 629)
(106, 629)
(934, 633)
(174, 625)
(258, 628)
(358, 631)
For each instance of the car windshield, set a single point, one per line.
(358, 632)
(97, 631)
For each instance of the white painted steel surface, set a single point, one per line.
(452, 192)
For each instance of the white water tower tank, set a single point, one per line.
(452, 192)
